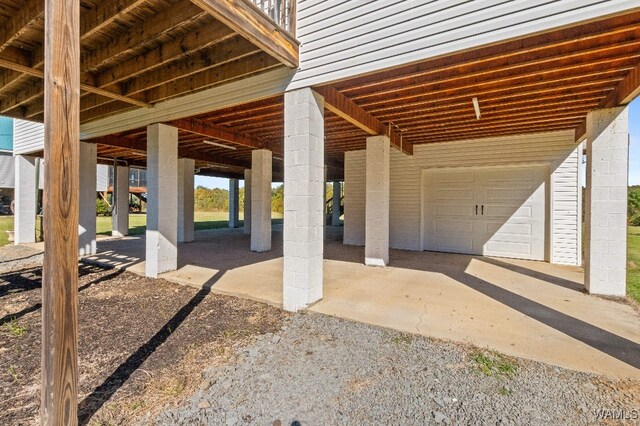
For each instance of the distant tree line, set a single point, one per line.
(217, 200)
(634, 205)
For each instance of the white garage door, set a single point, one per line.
(486, 211)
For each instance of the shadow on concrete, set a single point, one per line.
(552, 279)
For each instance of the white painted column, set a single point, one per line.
(234, 203)
(335, 214)
(186, 168)
(261, 200)
(24, 219)
(120, 212)
(304, 194)
(162, 199)
(606, 201)
(87, 201)
(247, 202)
(376, 250)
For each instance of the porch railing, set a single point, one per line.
(282, 12)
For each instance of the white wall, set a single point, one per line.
(28, 137)
(7, 170)
(555, 148)
(344, 38)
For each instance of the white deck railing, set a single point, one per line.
(282, 12)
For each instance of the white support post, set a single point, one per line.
(234, 203)
(247, 202)
(261, 200)
(120, 212)
(87, 202)
(606, 201)
(186, 168)
(304, 198)
(377, 201)
(162, 200)
(26, 187)
(335, 212)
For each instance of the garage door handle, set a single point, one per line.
(476, 209)
(482, 211)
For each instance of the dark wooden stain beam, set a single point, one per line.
(248, 21)
(626, 91)
(345, 108)
(60, 269)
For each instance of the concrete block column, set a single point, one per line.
(186, 169)
(376, 250)
(247, 202)
(162, 199)
(606, 201)
(335, 213)
(87, 201)
(120, 212)
(234, 203)
(261, 200)
(24, 219)
(304, 194)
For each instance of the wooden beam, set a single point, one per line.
(61, 176)
(248, 21)
(626, 91)
(206, 129)
(40, 74)
(345, 108)
(140, 145)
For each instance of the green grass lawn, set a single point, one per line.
(633, 265)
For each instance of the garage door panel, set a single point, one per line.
(510, 221)
(508, 249)
(453, 194)
(454, 210)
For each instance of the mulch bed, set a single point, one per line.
(143, 343)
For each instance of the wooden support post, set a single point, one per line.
(60, 271)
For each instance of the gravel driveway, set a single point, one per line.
(323, 370)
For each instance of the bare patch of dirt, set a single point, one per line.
(143, 343)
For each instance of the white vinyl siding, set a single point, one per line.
(553, 149)
(28, 137)
(343, 38)
(7, 173)
(566, 205)
(354, 197)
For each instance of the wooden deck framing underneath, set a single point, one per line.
(541, 83)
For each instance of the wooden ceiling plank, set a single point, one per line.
(247, 20)
(556, 73)
(345, 108)
(30, 11)
(203, 128)
(507, 49)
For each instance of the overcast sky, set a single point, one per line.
(634, 153)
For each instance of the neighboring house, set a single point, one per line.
(456, 126)
(25, 138)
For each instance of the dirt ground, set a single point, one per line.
(143, 344)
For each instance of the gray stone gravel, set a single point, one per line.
(15, 257)
(324, 370)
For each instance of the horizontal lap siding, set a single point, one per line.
(354, 198)
(7, 170)
(566, 212)
(344, 38)
(28, 137)
(554, 148)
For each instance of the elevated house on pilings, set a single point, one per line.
(455, 126)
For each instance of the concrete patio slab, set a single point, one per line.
(533, 310)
